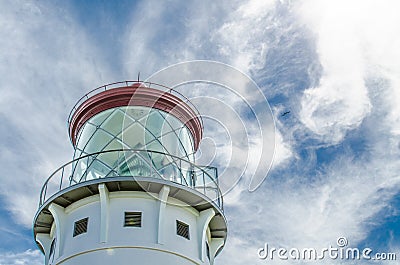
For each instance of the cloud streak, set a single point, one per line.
(42, 73)
(352, 47)
(31, 257)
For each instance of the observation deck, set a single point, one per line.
(202, 179)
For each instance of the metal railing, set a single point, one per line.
(134, 163)
(110, 86)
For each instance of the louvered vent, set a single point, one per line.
(182, 229)
(80, 226)
(133, 219)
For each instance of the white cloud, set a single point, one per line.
(283, 150)
(47, 64)
(347, 195)
(28, 257)
(356, 41)
(241, 39)
(292, 213)
(165, 33)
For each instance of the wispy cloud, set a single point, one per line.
(355, 41)
(354, 98)
(47, 63)
(31, 257)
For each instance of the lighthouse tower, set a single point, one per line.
(133, 193)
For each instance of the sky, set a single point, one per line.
(335, 65)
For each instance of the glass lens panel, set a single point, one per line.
(114, 122)
(155, 123)
(134, 136)
(99, 140)
(99, 118)
(87, 132)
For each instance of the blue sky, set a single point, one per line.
(335, 65)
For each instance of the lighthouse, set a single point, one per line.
(133, 193)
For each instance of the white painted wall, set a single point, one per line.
(129, 245)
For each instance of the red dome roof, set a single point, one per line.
(136, 94)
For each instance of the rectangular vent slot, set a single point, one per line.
(182, 229)
(80, 226)
(133, 219)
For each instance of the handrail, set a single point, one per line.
(114, 85)
(62, 183)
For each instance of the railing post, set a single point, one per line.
(84, 176)
(62, 177)
(151, 164)
(204, 184)
(180, 172)
(45, 192)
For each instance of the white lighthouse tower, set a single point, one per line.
(133, 193)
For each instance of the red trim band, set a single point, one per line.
(136, 95)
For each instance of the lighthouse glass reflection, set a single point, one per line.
(135, 127)
(161, 145)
